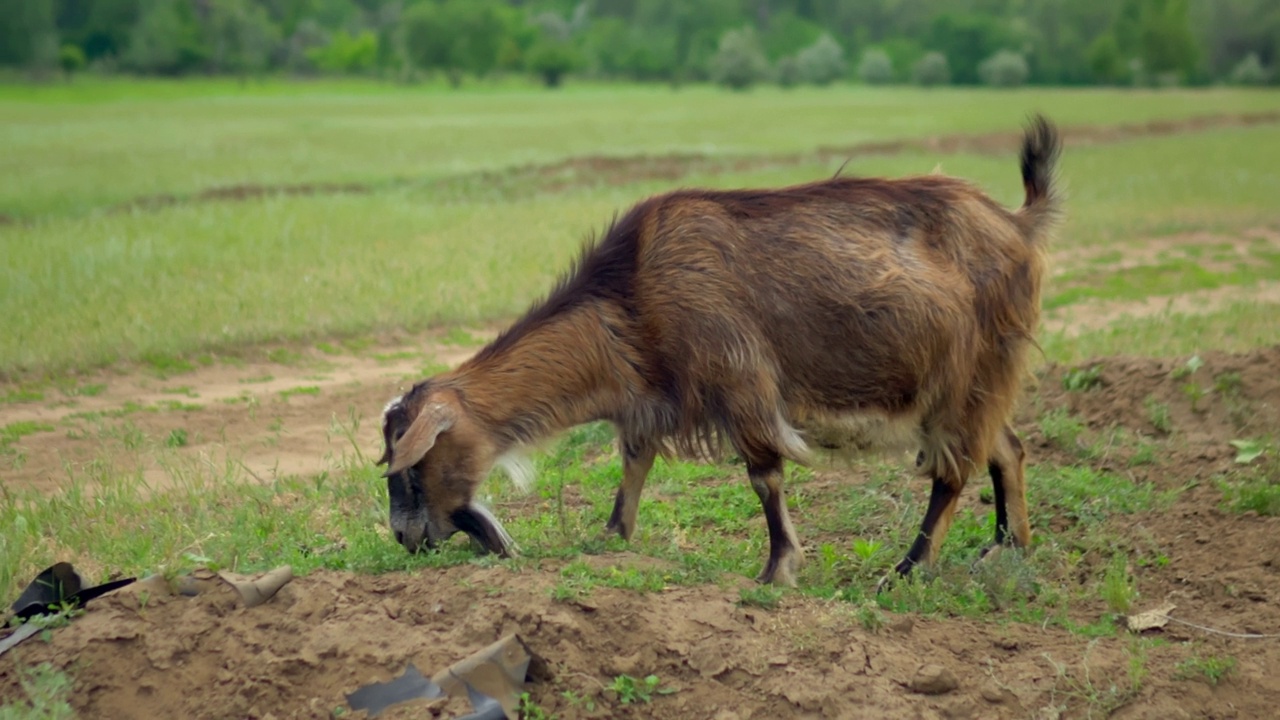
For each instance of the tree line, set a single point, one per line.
(736, 43)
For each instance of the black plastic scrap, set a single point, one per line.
(57, 587)
(492, 678)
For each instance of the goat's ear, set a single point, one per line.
(420, 437)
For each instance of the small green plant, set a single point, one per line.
(1229, 384)
(1062, 429)
(764, 596)
(1158, 413)
(47, 692)
(1254, 493)
(177, 438)
(284, 356)
(1145, 454)
(577, 700)
(303, 390)
(530, 710)
(1211, 668)
(631, 691)
(1082, 379)
(458, 336)
(1117, 584)
(1195, 394)
(1193, 364)
(1247, 450)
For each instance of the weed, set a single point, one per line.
(1194, 394)
(21, 395)
(1228, 384)
(257, 379)
(458, 336)
(1212, 668)
(1158, 413)
(186, 390)
(176, 438)
(1257, 492)
(763, 596)
(631, 691)
(47, 691)
(13, 432)
(1144, 454)
(1247, 450)
(284, 356)
(165, 365)
(1117, 584)
(530, 710)
(302, 390)
(1082, 379)
(1062, 429)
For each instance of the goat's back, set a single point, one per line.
(847, 296)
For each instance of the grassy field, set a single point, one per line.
(425, 242)
(83, 287)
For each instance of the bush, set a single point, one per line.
(1004, 69)
(346, 53)
(787, 72)
(931, 70)
(876, 68)
(71, 59)
(551, 60)
(822, 62)
(1249, 71)
(739, 62)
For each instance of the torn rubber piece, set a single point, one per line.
(58, 586)
(411, 685)
(492, 679)
(253, 591)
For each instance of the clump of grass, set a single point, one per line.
(1158, 413)
(1082, 379)
(301, 390)
(1118, 588)
(1062, 429)
(763, 596)
(631, 691)
(47, 693)
(1212, 668)
(13, 432)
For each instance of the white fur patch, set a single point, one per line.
(519, 468)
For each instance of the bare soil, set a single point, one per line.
(330, 632)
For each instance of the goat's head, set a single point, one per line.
(436, 456)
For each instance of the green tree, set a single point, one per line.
(1006, 68)
(454, 36)
(875, 68)
(739, 62)
(931, 70)
(1106, 63)
(822, 63)
(241, 36)
(27, 28)
(165, 39)
(967, 40)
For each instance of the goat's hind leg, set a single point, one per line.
(943, 500)
(1009, 486)
(637, 460)
(785, 555)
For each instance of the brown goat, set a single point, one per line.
(849, 314)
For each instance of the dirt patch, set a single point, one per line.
(1090, 315)
(1227, 251)
(1228, 397)
(330, 633)
(275, 419)
(594, 170)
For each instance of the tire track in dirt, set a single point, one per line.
(591, 170)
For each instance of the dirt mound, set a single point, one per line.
(330, 633)
(1213, 397)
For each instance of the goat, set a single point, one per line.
(849, 314)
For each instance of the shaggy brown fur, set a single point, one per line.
(852, 314)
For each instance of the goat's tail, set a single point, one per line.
(1041, 146)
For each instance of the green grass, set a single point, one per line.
(1212, 668)
(149, 138)
(697, 524)
(47, 693)
(163, 286)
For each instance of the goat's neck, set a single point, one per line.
(561, 373)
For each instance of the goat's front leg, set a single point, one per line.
(785, 555)
(637, 460)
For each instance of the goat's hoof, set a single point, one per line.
(781, 573)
